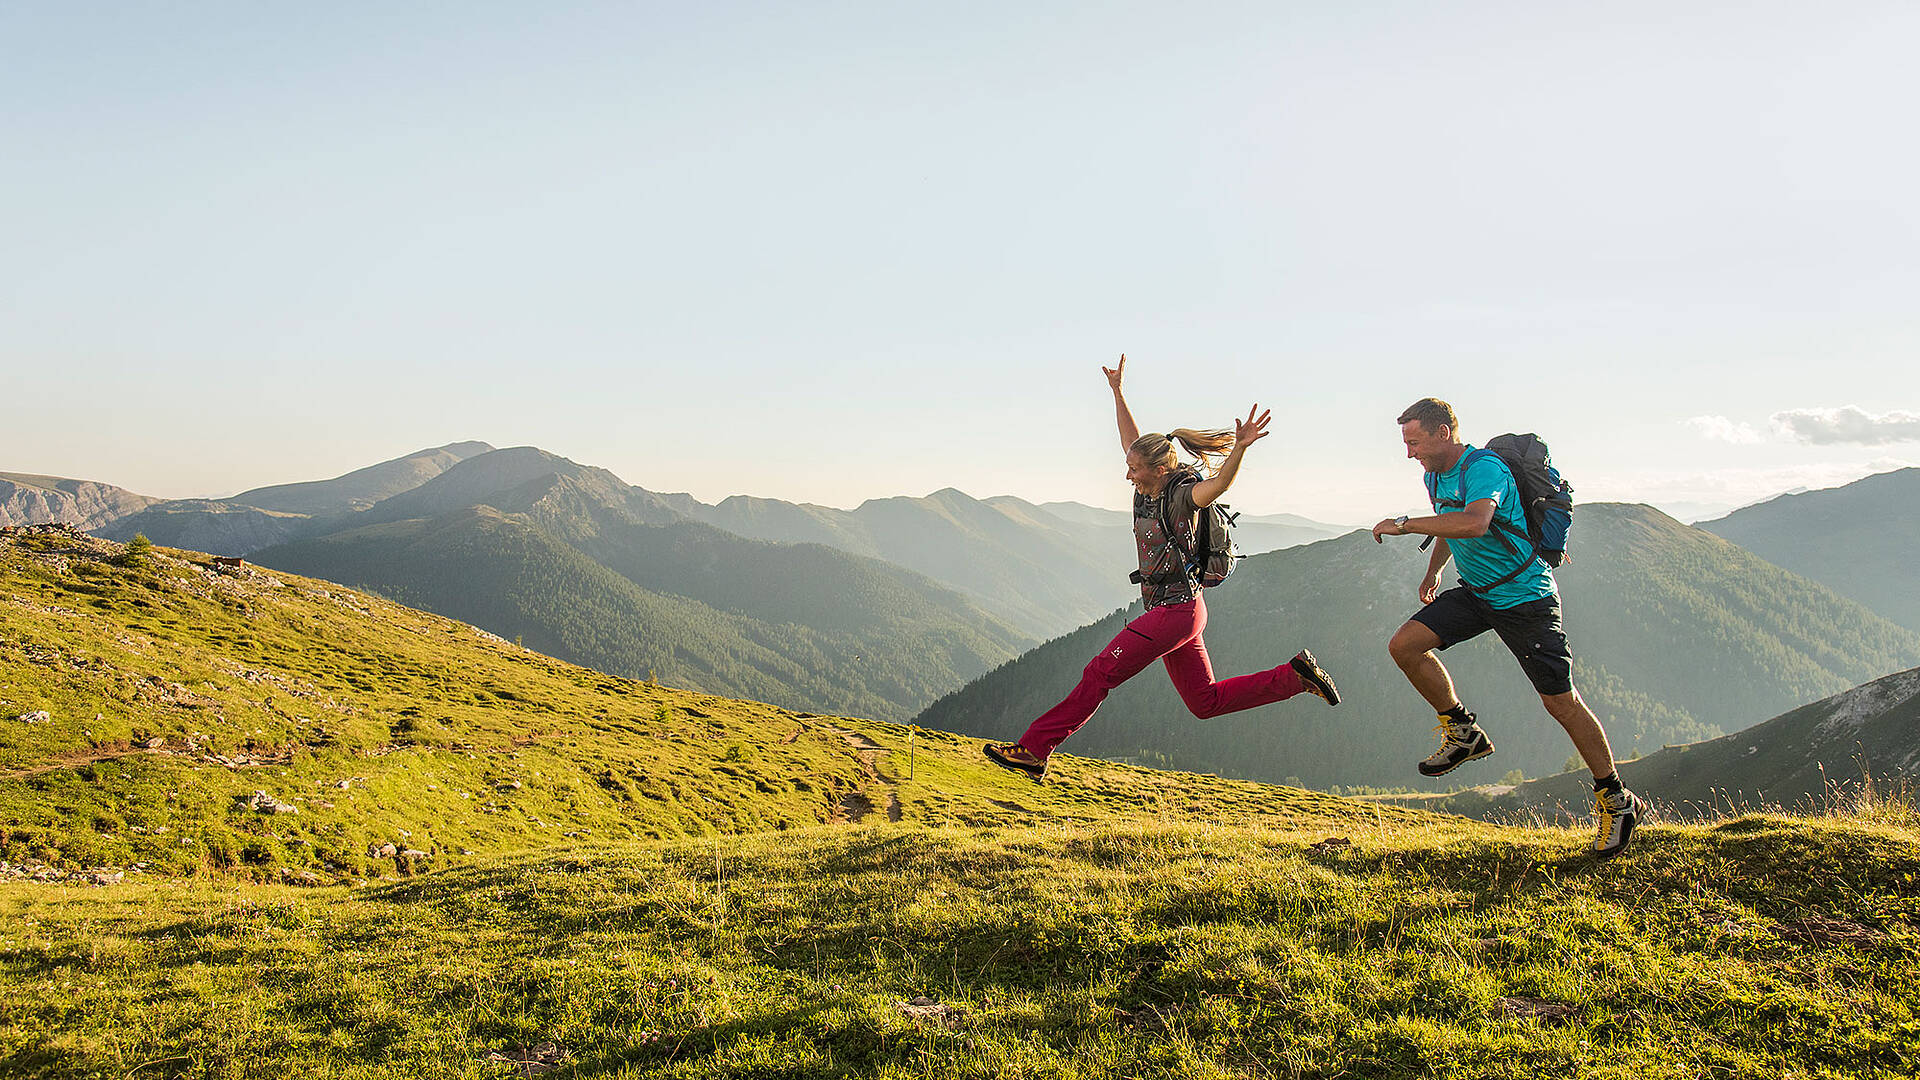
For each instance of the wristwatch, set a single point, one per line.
(1401, 522)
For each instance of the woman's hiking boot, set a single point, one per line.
(1316, 678)
(1618, 812)
(1017, 757)
(1461, 741)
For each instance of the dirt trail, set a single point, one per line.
(858, 804)
(78, 758)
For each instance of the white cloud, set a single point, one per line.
(1721, 429)
(1847, 424)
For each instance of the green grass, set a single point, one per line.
(677, 888)
(1133, 949)
(450, 741)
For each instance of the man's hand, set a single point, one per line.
(1249, 431)
(1430, 588)
(1388, 527)
(1113, 374)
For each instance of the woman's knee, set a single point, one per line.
(1103, 671)
(1204, 705)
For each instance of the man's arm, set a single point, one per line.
(1245, 433)
(1436, 562)
(1129, 431)
(1465, 524)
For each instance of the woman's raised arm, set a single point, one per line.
(1129, 431)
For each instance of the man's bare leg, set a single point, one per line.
(1413, 648)
(1589, 738)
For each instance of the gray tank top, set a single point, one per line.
(1163, 573)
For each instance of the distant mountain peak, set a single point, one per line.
(361, 488)
(28, 499)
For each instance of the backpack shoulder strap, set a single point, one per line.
(1166, 511)
(1459, 501)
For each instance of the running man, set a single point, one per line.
(1503, 587)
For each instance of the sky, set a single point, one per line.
(830, 252)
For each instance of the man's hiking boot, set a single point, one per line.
(1461, 741)
(1618, 812)
(1317, 680)
(1017, 757)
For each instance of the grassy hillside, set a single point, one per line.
(1855, 540)
(1761, 947)
(620, 879)
(171, 693)
(1678, 636)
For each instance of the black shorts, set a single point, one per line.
(1531, 630)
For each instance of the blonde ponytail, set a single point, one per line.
(1158, 450)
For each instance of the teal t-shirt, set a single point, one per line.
(1488, 558)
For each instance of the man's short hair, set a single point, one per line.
(1431, 412)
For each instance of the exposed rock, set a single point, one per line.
(532, 1060)
(1536, 1007)
(267, 804)
(49, 875)
(925, 1008)
(382, 851)
(42, 500)
(1815, 929)
(40, 717)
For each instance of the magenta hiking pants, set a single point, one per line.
(1170, 634)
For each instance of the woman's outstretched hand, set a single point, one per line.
(1113, 373)
(1251, 430)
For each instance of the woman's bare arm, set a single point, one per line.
(1129, 431)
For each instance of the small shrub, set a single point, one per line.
(138, 551)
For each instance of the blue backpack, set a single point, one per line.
(1545, 496)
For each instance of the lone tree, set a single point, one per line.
(137, 551)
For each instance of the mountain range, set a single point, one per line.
(30, 500)
(1678, 636)
(262, 517)
(584, 567)
(1857, 540)
(1041, 569)
(816, 607)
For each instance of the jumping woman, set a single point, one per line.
(1165, 490)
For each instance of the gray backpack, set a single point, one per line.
(1212, 556)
